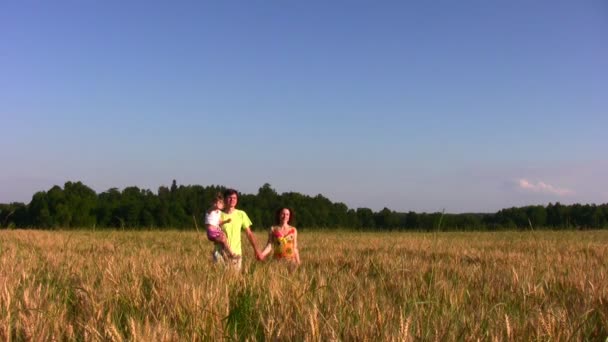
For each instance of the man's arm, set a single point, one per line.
(251, 239)
(268, 247)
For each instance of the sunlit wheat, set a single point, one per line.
(162, 286)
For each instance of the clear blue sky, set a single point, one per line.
(467, 106)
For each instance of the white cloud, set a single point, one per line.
(542, 187)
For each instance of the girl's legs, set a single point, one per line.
(225, 245)
(216, 235)
(227, 249)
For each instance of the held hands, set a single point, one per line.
(258, 255)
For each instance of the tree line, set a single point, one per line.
(78, 206)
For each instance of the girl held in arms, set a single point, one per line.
(283, 238)
(213, 222)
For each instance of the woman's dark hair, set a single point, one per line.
(277, 216)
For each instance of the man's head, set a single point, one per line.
(231, 197)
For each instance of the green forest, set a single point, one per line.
(175, 207)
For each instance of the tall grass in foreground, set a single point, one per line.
(145, 286)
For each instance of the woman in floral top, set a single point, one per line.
(283, 238)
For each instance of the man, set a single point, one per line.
(237, 221)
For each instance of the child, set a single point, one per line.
(213, 222)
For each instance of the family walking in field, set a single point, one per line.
(224, 223)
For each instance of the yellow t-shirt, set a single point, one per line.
(238, 221)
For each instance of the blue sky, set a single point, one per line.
(467, 106)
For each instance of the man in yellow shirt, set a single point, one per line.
(237, 220)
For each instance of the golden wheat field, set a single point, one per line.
(162, 286)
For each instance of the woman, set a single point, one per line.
(283, 238)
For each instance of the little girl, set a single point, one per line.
(213, 221)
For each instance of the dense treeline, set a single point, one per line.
(78, 206)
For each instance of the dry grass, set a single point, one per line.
(161, 286)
